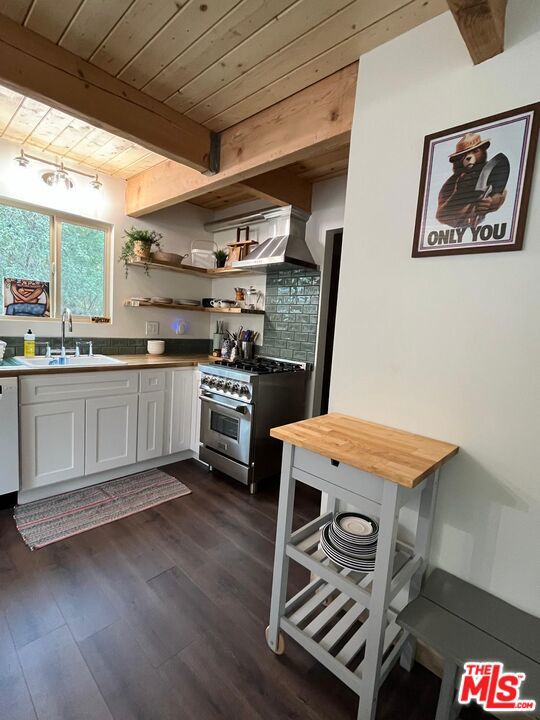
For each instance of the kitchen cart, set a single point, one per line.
(344, 618)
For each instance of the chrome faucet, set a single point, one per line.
(66, 318)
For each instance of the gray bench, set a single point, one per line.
(461, 622)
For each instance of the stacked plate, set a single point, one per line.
(350, 540)
(183, 301)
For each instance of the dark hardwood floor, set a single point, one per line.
(162, 615)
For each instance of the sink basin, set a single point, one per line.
(69, 361)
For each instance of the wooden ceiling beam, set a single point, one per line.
(312, 121)
(481, 24)
(281, 187)
(31, 64)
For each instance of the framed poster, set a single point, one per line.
(26, 298)
(475, 185)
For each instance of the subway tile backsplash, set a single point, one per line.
(114, 345)
(292, 314)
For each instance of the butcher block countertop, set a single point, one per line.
(395, 455)
(130, 362)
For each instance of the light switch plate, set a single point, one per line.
(152, 327)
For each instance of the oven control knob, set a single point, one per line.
(236, 388)
(220, 383)
(244, 390)
(228, 386)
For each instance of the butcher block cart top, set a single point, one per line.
(344, 618)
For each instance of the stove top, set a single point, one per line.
(262, 365)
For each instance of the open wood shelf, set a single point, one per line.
(192, 270)
(192, 308)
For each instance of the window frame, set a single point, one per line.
(56, 218)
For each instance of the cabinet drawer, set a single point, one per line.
(152, 380)
(40, 388)
(340, 474)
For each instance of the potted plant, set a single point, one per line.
(221, 255)
(138, 244)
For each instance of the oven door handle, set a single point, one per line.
(239, 408)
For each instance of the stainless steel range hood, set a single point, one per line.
(285, 246)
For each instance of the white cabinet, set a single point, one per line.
(150, 431)
(111, 432)
(196, 413)
(76, 425)
(52, 442)
(179, 410)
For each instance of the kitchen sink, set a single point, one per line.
(69, 361)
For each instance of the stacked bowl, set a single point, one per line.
(350, 540)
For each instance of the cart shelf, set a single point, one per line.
(304, 549)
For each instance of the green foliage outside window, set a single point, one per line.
(25, 253)
(24, 244)
(83, 272)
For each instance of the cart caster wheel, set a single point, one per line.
(280, 650)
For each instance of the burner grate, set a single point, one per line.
(260, 365)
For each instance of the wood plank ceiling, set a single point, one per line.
(217, 61)
(54, 135)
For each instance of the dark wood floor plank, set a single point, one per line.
(60, 683)
(235, 600)
(227, 495)
(231, 658)
(15, 702)
(157, 631)
(202, 699)
(132, 688)
(30, 607)
(77, 590)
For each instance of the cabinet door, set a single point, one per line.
(111, 433)
(196, 413)
(52, 443)
(181, 401)
(150, 432)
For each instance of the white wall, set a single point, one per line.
(327, 212)
(180, 226)
(448, 346)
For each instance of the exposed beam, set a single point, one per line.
(281, 187)
(312, 121)
(33, 65)
(481, 24)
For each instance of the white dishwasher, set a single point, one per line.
(9, 436)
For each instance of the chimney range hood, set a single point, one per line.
(285, 246)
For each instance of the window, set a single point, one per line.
(69, 254)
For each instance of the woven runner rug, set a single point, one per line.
(43, 522)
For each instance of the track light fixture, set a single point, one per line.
(57, 178)
(22, 160)
(60, 176)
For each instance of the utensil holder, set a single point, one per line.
(247, 350)
(218, 339)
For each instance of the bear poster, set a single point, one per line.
(475, 184)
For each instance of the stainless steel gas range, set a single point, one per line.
(240, 402)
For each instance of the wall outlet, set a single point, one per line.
(152, 327)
